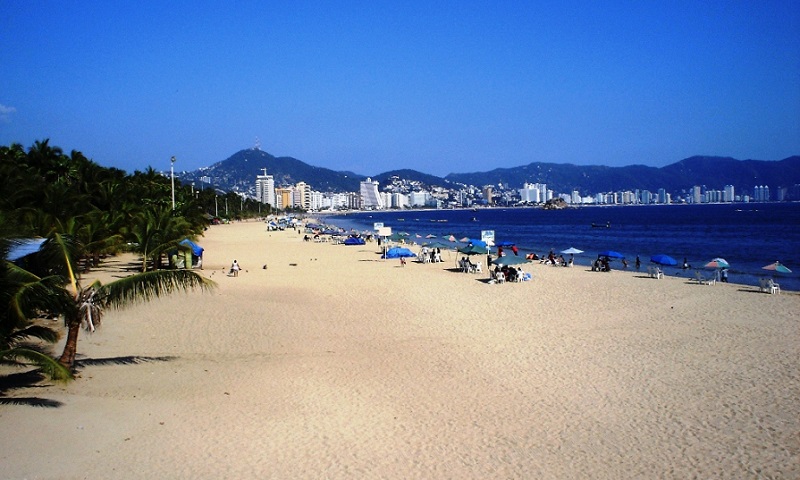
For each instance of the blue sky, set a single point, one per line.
(372, 86)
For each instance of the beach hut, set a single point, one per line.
(189, 255)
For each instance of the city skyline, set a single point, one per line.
(438, 88)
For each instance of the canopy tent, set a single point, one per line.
(197, 250)
(354, 241)
(398, 252)
(23, 248)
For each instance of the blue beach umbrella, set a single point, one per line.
(610, 254)
(662, 259)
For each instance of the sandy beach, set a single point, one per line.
(333, 363)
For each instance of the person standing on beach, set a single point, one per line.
(235, 269)
(638, 263)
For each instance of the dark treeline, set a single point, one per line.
(83, 212)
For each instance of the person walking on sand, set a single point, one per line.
(235, 269)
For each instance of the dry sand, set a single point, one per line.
(331, 363)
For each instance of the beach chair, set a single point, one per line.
(773, 287)
(501, 277)
(477, 268)
(701, 280)
(654, 272)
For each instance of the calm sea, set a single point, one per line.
(748, 236)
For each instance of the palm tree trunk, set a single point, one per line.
(71, 347)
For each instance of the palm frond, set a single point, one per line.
(146, 286)
(30, 356)
(38, 332)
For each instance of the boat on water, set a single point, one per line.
(601, 225)
(474, 219)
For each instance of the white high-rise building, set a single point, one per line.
(728, 195)
(265, 189)
(370, 198)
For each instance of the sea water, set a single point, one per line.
(748, 235)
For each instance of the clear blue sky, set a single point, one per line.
(373, 86)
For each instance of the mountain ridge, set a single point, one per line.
(238, 173)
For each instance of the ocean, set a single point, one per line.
(748, 235)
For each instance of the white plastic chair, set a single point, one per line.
(501, 277)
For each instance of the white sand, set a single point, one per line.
(332, 363)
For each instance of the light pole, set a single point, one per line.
(216, 206)
(172, 177)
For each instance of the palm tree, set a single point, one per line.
(89, 303)
(23, 298)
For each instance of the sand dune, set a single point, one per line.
(332, 363)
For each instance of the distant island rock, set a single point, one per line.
(555, 204)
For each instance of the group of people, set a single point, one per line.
(602, 264)
(558, 261)
(467, 266)
(433, 255)
(509, 274)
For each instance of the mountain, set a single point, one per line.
(238, 173)
(714, 172)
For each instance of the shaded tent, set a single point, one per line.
(354, 241)
(398, 252)
(23, 248)
(189, 255)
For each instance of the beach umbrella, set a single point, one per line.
(662, 259)
(465, 239)
(23, 248)
(610, 254)
(777, 267)
(430, 236)
(473, 250)
(571, 251)
(476, 242)
(718, 263)
(509, 260)
(451, 238)
(438, 244)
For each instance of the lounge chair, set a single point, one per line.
(773, 287)
(654, 272)
(702, 280)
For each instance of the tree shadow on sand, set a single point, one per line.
(128, 360)
(35, 379)
(31, 379)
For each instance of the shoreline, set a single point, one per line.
(331, 362)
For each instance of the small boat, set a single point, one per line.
(601, 225)
(474, 219)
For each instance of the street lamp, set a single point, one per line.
(172, 177)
